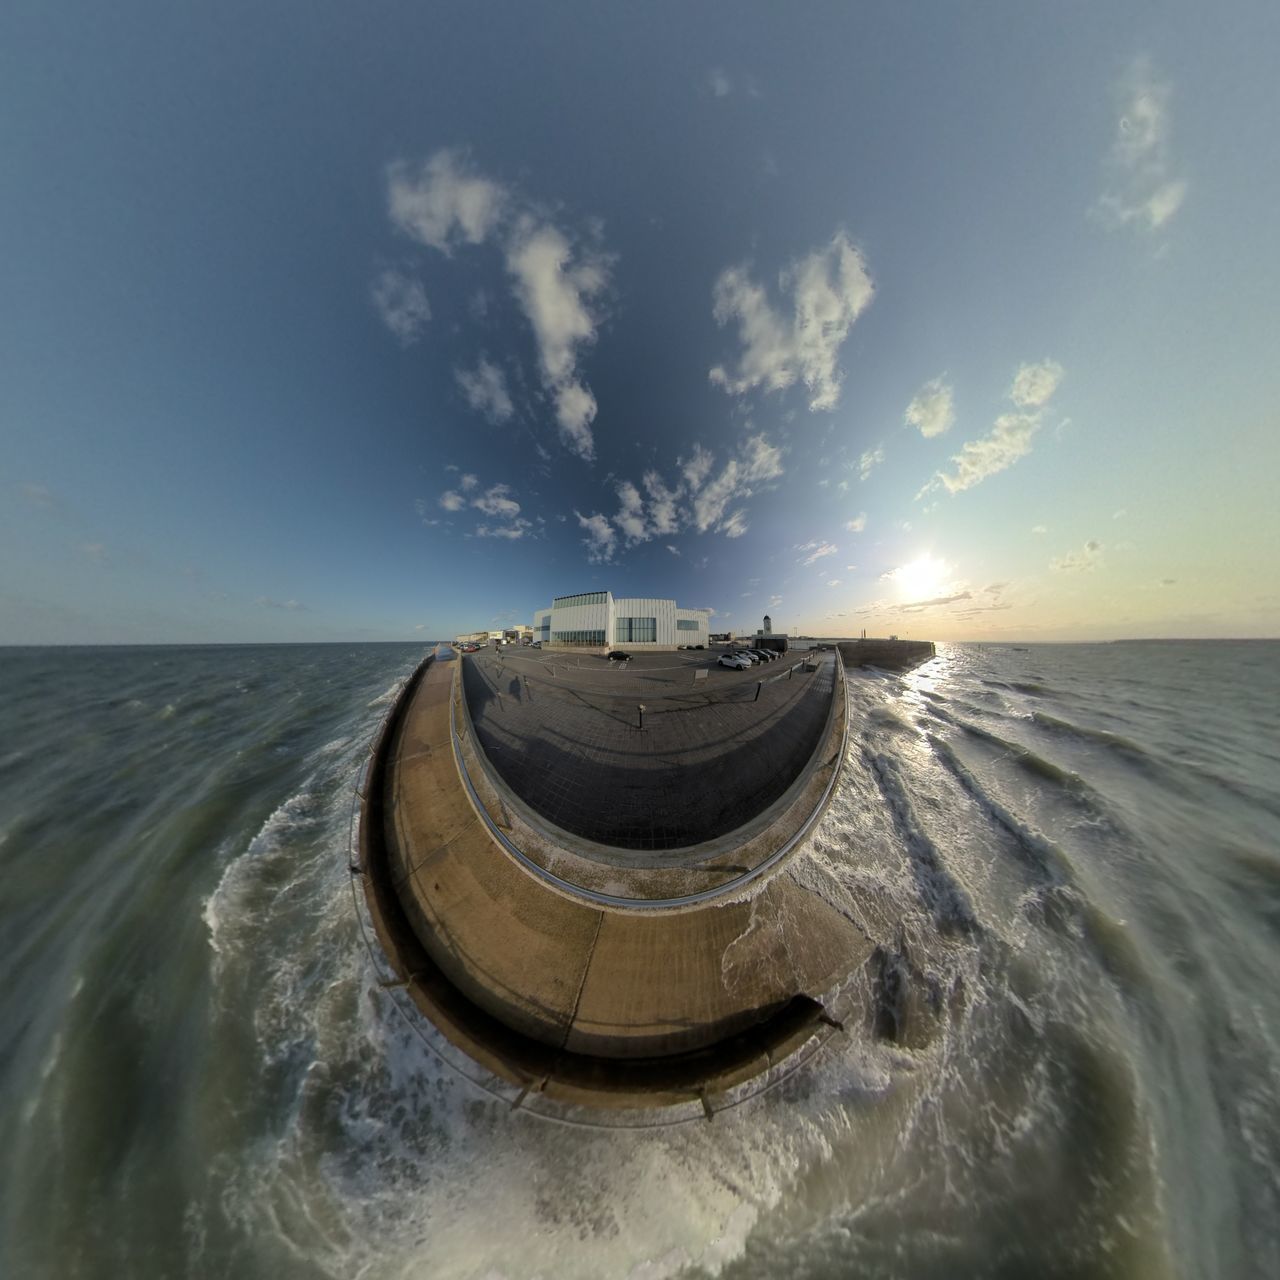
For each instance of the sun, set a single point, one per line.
(923, 578)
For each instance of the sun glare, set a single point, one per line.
(922, 579)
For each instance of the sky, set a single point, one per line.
(344, 322)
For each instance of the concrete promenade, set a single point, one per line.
(582, 1001)
(565, 734)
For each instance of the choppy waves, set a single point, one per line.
(1062, 1058)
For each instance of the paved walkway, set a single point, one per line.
(563, 732)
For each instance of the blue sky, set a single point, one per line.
(328, 322)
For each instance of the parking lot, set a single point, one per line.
(663, 751)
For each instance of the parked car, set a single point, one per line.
(618, 656)
(734, 661)
(767, 654)
(750, 657)
(537, 644)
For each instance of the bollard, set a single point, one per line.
(790, 672)
(759, 686)
(640, 709)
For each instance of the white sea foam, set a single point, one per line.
(380, 1161)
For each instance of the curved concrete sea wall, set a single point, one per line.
(609, 983)
(890, 655)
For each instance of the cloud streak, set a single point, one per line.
(485, 389)
(932, 410)
(1144, 191)
(1086, 558)
(445, 203)
(1010, 437)
(401, 304)
(828, 289)
(554, 285)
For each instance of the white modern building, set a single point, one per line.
(595, 620)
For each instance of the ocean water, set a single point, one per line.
(1074, 848)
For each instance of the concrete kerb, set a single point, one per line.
(590, 874)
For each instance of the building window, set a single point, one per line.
(595, 638)
(637, 630)
(568, 602)
(687, 624)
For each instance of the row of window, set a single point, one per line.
(592, 597)
(636, 630)
(687, 624)
(578, 637)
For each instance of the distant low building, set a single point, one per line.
(595, 620)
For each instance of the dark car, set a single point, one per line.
(618, 656)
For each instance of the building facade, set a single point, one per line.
(595, 620)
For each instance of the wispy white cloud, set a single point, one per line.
(497, 501)
(1143, 191)
(401, 304)
(829, 288)
(664, 513)
(443, 201)
(554, 286)
(857, 524)
(1008, 440)
(719, 83)
(96, 551)
(601, 540)
(1034, 384)
(630, 518)
(698, 466)
(1039, 528)
(1010, 437)
(932, 410)
(1087, 557)
(817, 551)
(518, 528)
(485, 389)
(292, 606)
(759, 463)
(467, 482)
(451, 500)
(869, 461)
(675, 551)
(704, 499)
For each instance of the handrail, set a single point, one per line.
(705, 697)
(594, 896)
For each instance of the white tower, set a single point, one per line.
(768, 625)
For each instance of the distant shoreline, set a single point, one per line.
(303, 644)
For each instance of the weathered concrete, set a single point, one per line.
(525, 963)
(687, 769)
(891, 655)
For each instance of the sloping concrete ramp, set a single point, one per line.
(594, 984)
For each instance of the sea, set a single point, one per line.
(201, 1073)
